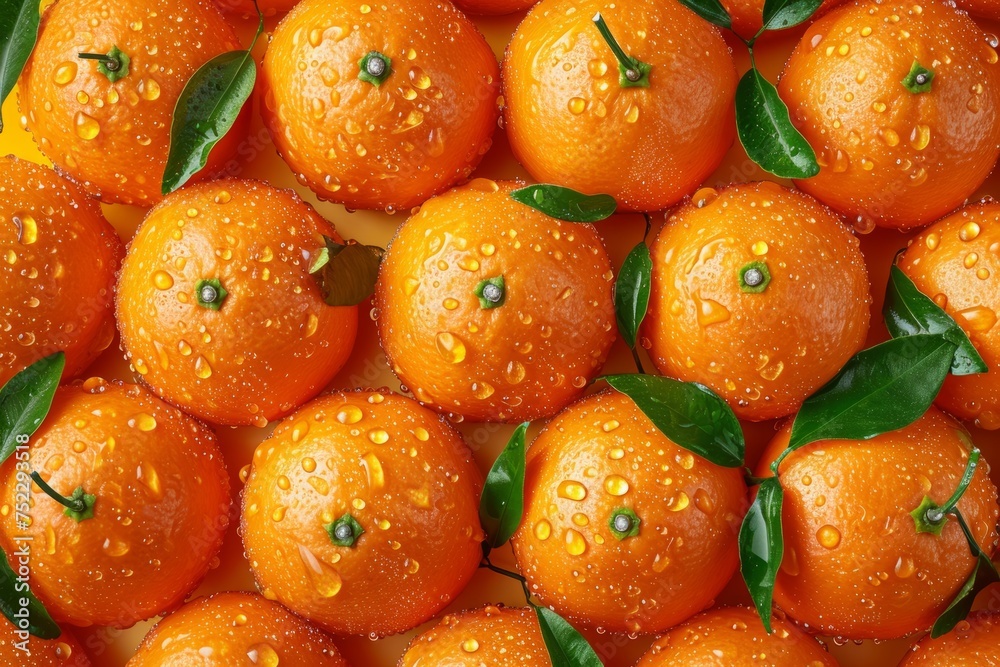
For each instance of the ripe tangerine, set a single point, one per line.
(494, 636)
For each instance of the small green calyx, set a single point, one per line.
(624, 523)
(632, 72)
(491, 292)
(345, 531)
(210, 293)
(754, 277)
(374, 68)
(79, 506)
(919, 79)
(928, 517)
(114, 64)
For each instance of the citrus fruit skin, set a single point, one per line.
(65, 651)
(974, 642)
(854, 564)
(57, 276)
(954, 262)
(763, 352)
(887, 156)
(493, 635)
(987, 9)
(602, 454)
(519, 361)
(245, 8)
(273, 344)
(748, 15)
(494, 7)
(113, 138)
(227, 629)
(403, 474)
(161, 510)
(570, 122)
(388, 146)
(734, 636)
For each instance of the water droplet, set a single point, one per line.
(378, 436)
(575, 544)
(704, 502)
(86, 127)
(162, 280)
(202, 368)
(515, 372)
(828, 536)
(373, 467)
(616, 485)
(979, 318)
(920, 137)
(543, 529)
(65, 73)
(149, 89)
(678, 502)
(905, 567)
(143, 421)
(350, 414)
(577, 105)
(711, 312)
(115, 548)
(572, 490)
(450, 347)
(969, 231)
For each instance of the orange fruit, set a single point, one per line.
(161, 509)
(953, 262)
(569, 121)
(361, 513)
(494, 636)
(62, 652)
(748, 15)
(734, 636)
(272, 344)
(494, 7)
(235, 628)
(764, 352)
(974, 642)
(57, 276)
(600, 460)
(246, 9)
(387, 145)
(854, 564)
(987, 9)
(524, 357)
(113, 137)
(889, 156)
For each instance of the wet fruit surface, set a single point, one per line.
(236, 628)
(65, 651)
(502, 360)
(854, 565)
(494, 6)
(763, 349)
(973, 642)
(58, 257)
(161, 508)
(747, 14)
(890, 156)
(271, 335)
(113, 136)
(601, 458)
(494, 636)
(361, 513)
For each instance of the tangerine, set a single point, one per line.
(494, 636)
(246, 8)
(973, 642)
(62, 652)
(748, 15)
(494, 7)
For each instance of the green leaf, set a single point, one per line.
(690, 414)
(564, 204)
(762, 546)
(880, 389)
(26, 399)
(502, 502)
(781, 14)
(767, 133)
(983, 574)
(710, 10)
(12, 591)
(18, 32)
(346, 273)
(632, 292)
(566, 646)
(908, 311)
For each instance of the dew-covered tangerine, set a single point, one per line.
(113, 136)
(854, 564)
(246, 8)
(263, 341)
(64, 651)
(623, 529)
(748, 15)
(955, 262)
(494, 636)
(494, 7)
(974, 642)
(360, 513)
(491, 310)
(229, 629)
(160, 512)
(891, 153)
(58, 257)
(764, 347)
(416, 120)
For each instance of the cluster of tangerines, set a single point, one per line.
(364, 512)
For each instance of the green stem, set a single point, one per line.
(970, 538)
(79, 506)
(634, 72)
(963, 485)
(112, 64)
(638, 362)
(649, 225)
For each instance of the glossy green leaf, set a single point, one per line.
(18, 32)
(502, 502)
(908, 311)
(766, 130)
(13, 593)
(983, 575)
(632, 292)
(26, 399)
(566, 646)
(880, 389)
(346, 273)
(562, 203)
(691, 415)
(710, 10)
(781, 14)
(762, 546)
